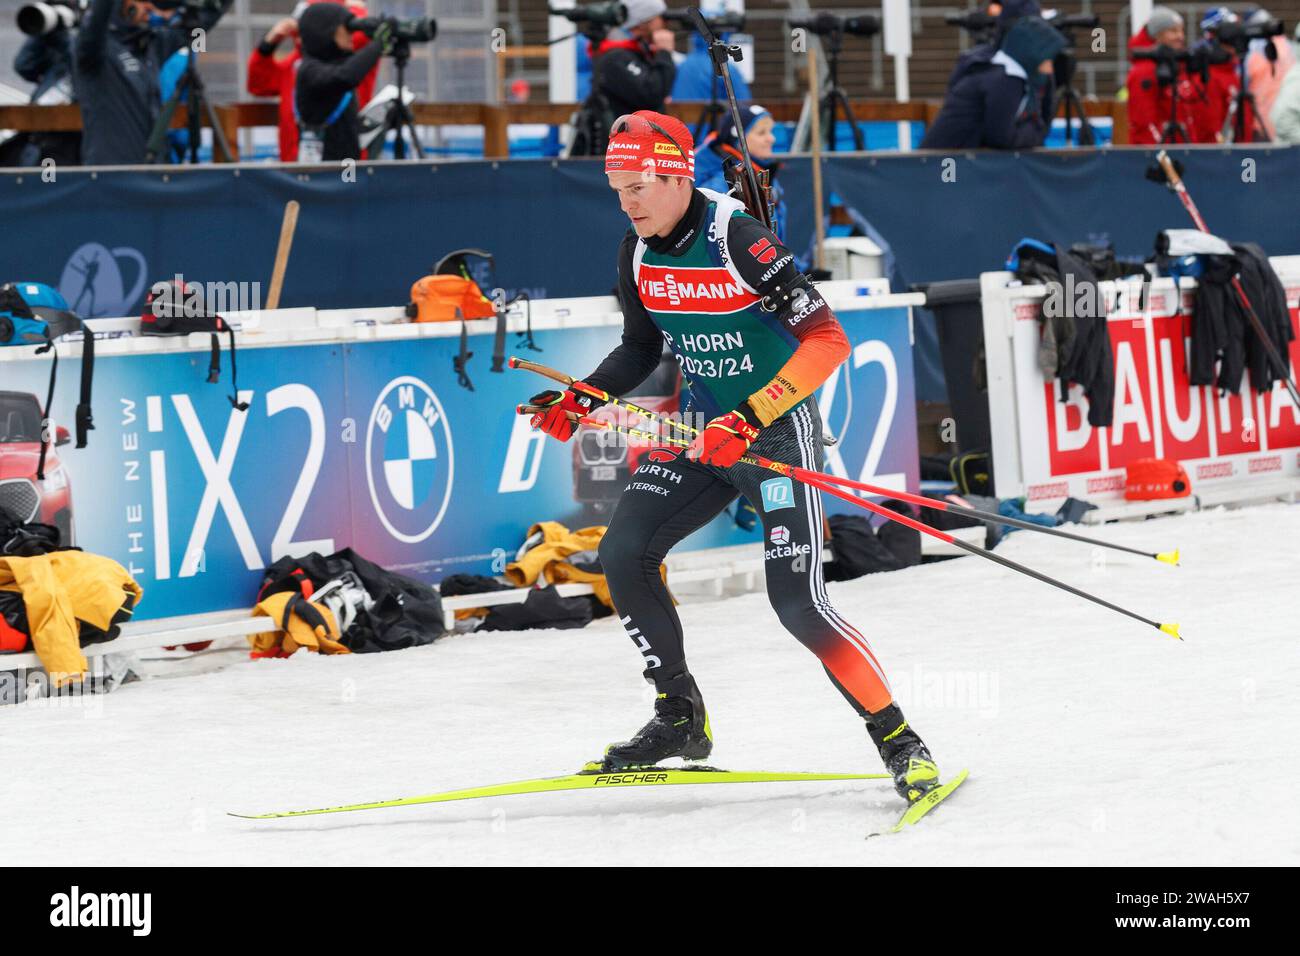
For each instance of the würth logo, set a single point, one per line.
(662, 454)
(76, 909)
(763, 251)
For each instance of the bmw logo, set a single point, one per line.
(409, 459)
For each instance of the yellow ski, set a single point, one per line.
(925, 804)
(652, 777)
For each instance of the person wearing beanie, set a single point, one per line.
(1150, 103)
(1219, 119)
(755, 340)
(274, 75)
(1003, 98)
(632, 68)
(325, 95)
(723, 147)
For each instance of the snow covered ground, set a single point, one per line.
(1091, 739)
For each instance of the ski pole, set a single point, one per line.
(1169, 628)
(1165, 557)
(811, 479)
(1175, 182)
(580, 386)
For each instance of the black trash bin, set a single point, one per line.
(960, 321)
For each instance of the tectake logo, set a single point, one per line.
(409, 459)
(780, 535)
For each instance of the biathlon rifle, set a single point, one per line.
(756, 194)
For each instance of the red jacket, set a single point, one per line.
(1149, 104)
(1220, 101)
(272, 76)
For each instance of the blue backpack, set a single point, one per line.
(33, 313)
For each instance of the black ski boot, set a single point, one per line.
(679, 728)
(904, 753)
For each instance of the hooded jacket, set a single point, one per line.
(997, 98)
(328, 75)
(115, 77)
(269, 75)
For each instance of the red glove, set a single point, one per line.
(726, 438)
(555, 421)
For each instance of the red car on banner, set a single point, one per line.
(22, 495)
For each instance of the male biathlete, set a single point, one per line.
(755, 340)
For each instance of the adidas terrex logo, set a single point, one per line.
(76, 909)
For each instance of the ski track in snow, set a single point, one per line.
(1091, 739)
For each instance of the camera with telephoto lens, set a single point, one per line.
(828, 24)
(1064, 24)
(1238, 35)
(190, 6)
(611, 14)
(1196, 61)
(418, 30)
(981, 26)
(721, 23)
(42, 19)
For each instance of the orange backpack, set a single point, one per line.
(436, 298)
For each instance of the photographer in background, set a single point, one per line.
(1215, 113)
(1003, 98)
(275, 76)
(45, 59)
(1268, 64)
(633, 68)
(1150, 102)
(1286, 107)
(119, 53)
(325, 96)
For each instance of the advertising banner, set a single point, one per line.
(369, 443)
(1045, 449)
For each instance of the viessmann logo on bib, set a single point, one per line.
(409, 459)
(677, 289)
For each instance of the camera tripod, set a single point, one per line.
(191, 89)
(1067, 64)
(398, 118)
(832, 101)
(1173, 131)
(710, 113)
(1236, 121)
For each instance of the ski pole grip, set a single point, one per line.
(545, 370)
